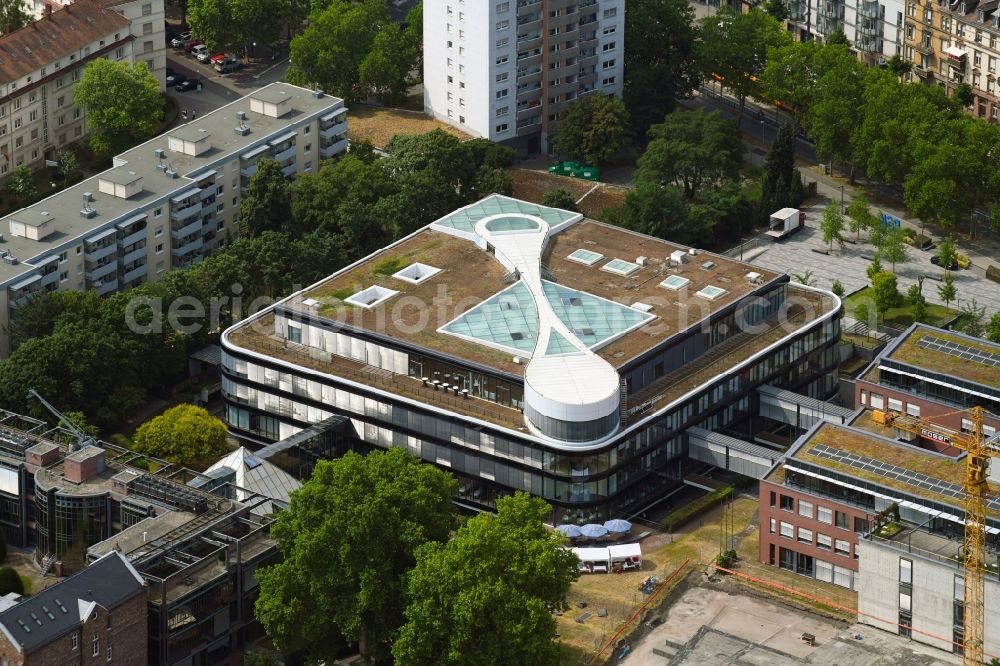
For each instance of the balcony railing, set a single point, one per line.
(135, 273)
(100, 272)
(132, 238)
(135, 254)
(334, 148)
(185, 231)
(285, 154)
(181, 214)
(99, 253)
(335, 129)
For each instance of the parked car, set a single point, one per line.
(180, 39)
(201, 52)
(190, 44)
(173, 78)
(936, 260)
(219, 57)
(187, 85)
(230, 65)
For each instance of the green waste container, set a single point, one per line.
(587, 173)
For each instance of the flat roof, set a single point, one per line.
(949, 353)
(65, 205)
(193, 132)
(123, 175)
(271, 95)
(873, 455)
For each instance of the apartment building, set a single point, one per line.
(165, 203)
(874, 29)
(525, 348)
(953, 43)
(97, 616)
(506, 70)
(40, 66)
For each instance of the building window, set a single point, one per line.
(842, 547)
(109, 653)
(824, 541)
(502, 93)
(895, 405)
(159, 248)
(502, 60)
(147, 28)
(157, 212)
(119, 54)
(501, 43)
(843, 520)
(503, 111)
(904, 602)
(912, 409)
(96, 645)
(503, 8)
(74, 642)
(805, 536)
(147, 47)
(611, 13)
(294, 334)
(610, 46)
(787, 503)
(774, 499)
(787, 530)
(905, 571)
(608, 64)
(877, 401)
(805, 509)
(774, 526)
(502, 76)
(147, 9)
(501, 128)
(503, 25)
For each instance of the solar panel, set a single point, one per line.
(959, 350)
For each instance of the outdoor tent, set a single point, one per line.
(626, 552)
(592, 558)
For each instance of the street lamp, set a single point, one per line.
(841, 199)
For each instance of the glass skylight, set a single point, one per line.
(711, 293)
(416, 273)
(586, 257)
(620, 267)
(675, 282)
(592, 319)
(512, 223)
(465, 219)
(370, 297)
(559, 345)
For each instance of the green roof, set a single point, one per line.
(465, 219)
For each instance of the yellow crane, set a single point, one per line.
(979, 449)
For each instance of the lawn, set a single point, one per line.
(899, 317)
(531, 185)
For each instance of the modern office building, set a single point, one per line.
(96, 616)
(166, 203)
(506, 70)
(526, 348)
(933, 373)
(911, 583)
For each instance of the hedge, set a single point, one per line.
(695, 508)
(993, 273)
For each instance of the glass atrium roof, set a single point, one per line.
(465, 219)
(508, 319)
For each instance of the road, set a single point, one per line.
(220, 89)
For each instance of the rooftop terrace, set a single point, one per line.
(949, 353)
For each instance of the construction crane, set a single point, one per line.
(82, 438)
(979, 449)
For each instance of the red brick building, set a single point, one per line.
(96, 616)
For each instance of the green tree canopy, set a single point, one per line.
(891, 244)
(946, 290)
(347, 539)
(267, 203)
(22, 184)
(592, 129)
(947, 253)
(663, 212)
(918, 304)
(661, 60)
(122, 101)
(832, 225)
(993, 328)
(885, 292)
(15, 14)
(184, 434)
(494, 587)
(691, 148)
(560, 198)
(972, 319)
(385, 70)
(781, 183)
(859, 215)
(330, 51)
(735, 47)
(10, 581)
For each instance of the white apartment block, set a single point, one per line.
(165, 203)
(506, 70)
(874, 28)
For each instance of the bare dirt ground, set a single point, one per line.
(532, 185)
(379, 124)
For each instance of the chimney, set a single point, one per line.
(48, 10)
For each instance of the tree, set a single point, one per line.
(790, 76)
(183, 434)
(15, 14)
(861, 313)
(777, 9)
(267, 203)
(385, 70)
(898, 66)
(838, 103)
(347, 540)
(805, 278)
(918, 304)
(860, 216)
(735, 47)
(691, 148)
(838, 38)
(837, 289)
(832, 225)
(67, 165)
(946, 171)
(971, 320)
(781, 184)
(560, 198)
(592, 129)
(494, 181)
(891, 243)
(78, 420)
(874, 268)
(946, 290)
(10, 581)
(963, 94)
(494, 586)
(663, 212)
(236, 24)
(212, 21)
(329, 53)
(22, 184)
(885, 292)
(661, 62)
(947, 253)
(122, 102)
(993, 328)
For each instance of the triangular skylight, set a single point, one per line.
(558, 344)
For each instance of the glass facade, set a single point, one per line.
(68, 524)
(572, 431)
(962, 396)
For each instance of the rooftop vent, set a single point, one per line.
(416, 273)
(642, 307)
(310, 303)
(318, 94)
(370, 297)
(678, 257)
(160, 153)
(642, 261)
(242, 129)
(693, 251)
(753, 277)
(708, 265)
(170, 173)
